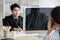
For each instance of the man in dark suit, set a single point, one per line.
(14, 20)
(36, 20)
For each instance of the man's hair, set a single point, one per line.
(35, 10)
(55, 14)
(13, 6)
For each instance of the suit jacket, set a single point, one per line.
(40, 22)
(9, 21)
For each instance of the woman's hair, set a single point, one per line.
(55, 14)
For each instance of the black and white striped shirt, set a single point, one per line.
(54, 35)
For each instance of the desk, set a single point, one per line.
(21, 38)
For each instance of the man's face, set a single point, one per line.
(16, 11)
(35, 10)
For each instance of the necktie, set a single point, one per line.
(16, 21)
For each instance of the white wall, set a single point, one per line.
(49, 3)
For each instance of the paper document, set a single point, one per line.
(19, 34)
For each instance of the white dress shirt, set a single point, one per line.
(54, 35)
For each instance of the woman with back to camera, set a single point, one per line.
(54, 25)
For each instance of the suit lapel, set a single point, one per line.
(19, 20)
(13, 20)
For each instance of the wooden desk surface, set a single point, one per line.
(21, 38)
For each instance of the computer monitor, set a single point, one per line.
(38, 24)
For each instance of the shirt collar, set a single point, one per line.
(55, 28)
(15, 17)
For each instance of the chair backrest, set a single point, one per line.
(3, 21)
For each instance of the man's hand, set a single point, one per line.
(18, 29)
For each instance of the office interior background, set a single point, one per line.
(5, 7)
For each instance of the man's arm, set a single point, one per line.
(5, 22)
(45, 21)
